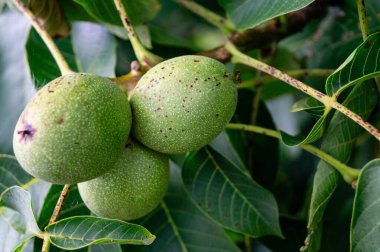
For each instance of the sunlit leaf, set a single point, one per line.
(82, 231)
(16, 208)
(247, 14)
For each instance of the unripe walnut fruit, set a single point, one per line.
(183, 103)
(73, 130)
(133, 188)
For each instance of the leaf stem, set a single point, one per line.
(145, 57)
(55, 215)
(49, 42)
(239, 57)
(349, 174)
(362, 18)
(222, 23)
(298, 73)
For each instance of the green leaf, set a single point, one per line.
(105, 248)
(49, 13)
(365, 223)
(11, 173)
(105, 11)
(81, 231)
(310, 105)
(95, 48)
(42, 66)
(314, 134)
(13, 75)
(339, 142)
(181, 226)
(229, 195)
(362, 64)
(190, 31)
(21, 246)
(16, 207)
(248, 14)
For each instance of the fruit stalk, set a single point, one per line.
(145, 57)
(57, 55)
(222, 23)
(55, 215)
(239, 57)
(349, 174)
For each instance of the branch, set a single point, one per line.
(57, 55)
(349, 174)
(271, 31)
(145, 57)
(239, 57)
(55, 215)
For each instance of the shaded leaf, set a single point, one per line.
(248, 14)
(229, 195)
(338, 142)
(42, 66)
(82, 231)
(105, 10)
(309, 104)
(95, 49)
(365, 223)
(181, 226)
(16, 207)
(49, 13)
(314, 134)
(362, 64)
(11, 173)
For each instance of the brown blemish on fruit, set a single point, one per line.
(27, 133)
(60, 121)
(196, 60)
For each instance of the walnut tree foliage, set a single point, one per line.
(289, 173)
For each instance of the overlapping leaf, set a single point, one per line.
(49, 13)
(11, 173)
(42, 66)
(81, 231)
(228, 194)
(362, 64)
(16, 207)
(105, 10)
(248, 14)
(365, 223)
(181, 226)
(338, 142)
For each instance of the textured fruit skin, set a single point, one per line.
(183, 103)
(133, 188)
(73, 130)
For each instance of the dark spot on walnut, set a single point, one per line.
(26, 135)
(60, 121)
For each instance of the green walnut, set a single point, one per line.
(133, 188)
(74, 129)
(183, 103)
